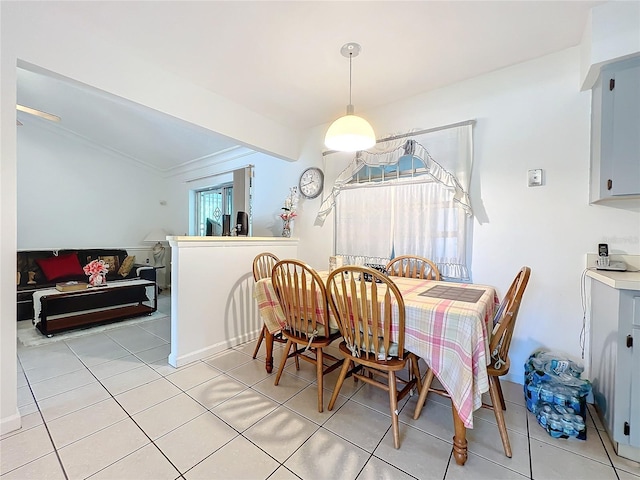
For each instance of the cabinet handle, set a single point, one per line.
(629, 341)
(609, 184)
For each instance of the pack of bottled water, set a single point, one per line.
(556, 394)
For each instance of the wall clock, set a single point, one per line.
(311, 182)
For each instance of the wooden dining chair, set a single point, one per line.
(303, 298)
(372, 340)
(413, 266)
(262, 266)
(503, 325)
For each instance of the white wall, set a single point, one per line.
(9, 414)
(531, 115)
(72, 194)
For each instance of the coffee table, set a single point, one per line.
(61, 311)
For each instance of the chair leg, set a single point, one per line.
(416, 372)
(343, 374)
(285, 355)
(502, 426)
(319, 375)
(428, 378)
(296, 359)
(259, 342)
(502, 402)
(393, 401)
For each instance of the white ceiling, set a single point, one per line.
(282, 60)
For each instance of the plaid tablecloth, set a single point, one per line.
(270, 310)
(453, 339)
(452, 336)
(269, 307)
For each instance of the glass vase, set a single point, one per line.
(286, 228)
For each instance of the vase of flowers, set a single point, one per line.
(286, 228)
(289, 211)
(97, 272)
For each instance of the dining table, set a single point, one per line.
(448, 324)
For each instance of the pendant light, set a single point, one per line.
(351, 132)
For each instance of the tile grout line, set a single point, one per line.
(124, 410)
(44, 423)
(615, 470)
(529, 445)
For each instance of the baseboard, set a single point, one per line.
(179, 361)
(11, 423)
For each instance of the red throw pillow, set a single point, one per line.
(60, 266)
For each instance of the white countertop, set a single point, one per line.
(629, 280)
(217, 241)
(618, 280)
(193, 238)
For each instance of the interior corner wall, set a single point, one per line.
(9, 414)
(529, 116)
(74, 195)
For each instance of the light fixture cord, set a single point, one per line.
(350, 57)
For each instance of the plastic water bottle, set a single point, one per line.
(576, 369)
(555, 426)
(560, 397)
(574, 401)
(578, 424)
(568, 425)
(546, 393)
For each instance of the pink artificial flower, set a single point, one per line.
(288, 215)
(96, 267)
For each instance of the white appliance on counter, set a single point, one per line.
(615, 354)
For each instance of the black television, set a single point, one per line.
(226, 225)
(242, 224)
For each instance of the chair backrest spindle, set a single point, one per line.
(263, 264)
(505, 319)
(302, 296)
(413, 266)
(365, 310)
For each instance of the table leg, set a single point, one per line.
(459, 439)
(268, 340)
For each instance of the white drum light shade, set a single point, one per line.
(350, 134)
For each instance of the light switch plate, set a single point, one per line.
(535, 177)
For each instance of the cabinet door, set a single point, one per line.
(634, 414)
(625, 145)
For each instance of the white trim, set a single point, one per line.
(11, 423)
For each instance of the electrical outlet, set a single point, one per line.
(534, 177)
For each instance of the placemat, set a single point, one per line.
(470, 295)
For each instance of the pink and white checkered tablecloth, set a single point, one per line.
(453, 339)
(451, 336)
(270, 310)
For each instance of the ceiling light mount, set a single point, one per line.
(351, 50)
(351, 132)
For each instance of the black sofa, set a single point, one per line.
(30, 276)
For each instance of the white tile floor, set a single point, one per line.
(108, 406)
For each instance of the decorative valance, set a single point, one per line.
(452, 171)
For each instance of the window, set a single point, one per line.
(212, 203)
(399, 199)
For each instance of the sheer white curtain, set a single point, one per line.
(424, 214)
(365, 215)
(428, 222)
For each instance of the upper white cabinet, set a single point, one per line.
(615, 132)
